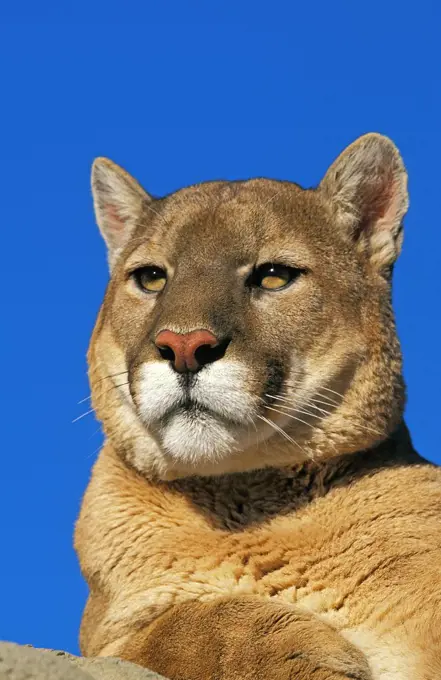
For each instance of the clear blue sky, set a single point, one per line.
(176, 91)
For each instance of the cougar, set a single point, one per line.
(257, 510)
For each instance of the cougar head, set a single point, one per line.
(248, 323)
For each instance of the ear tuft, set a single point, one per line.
(367, 189)
(118, 201)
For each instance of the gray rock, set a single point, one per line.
(19, 662)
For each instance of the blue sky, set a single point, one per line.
(176, 91)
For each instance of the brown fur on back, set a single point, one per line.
(275, 522)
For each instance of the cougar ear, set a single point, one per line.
(118, 201)
(367, 190)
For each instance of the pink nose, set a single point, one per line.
(187, 351)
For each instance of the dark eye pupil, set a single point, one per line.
(146, 277)
(153, 273)
(284, 273)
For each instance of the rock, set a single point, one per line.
(19, 662)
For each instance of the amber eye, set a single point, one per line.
(150, 279)
(273, 276)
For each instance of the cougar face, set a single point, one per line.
(248, 323)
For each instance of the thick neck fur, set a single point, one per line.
(235, 502)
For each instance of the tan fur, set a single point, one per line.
(295, 533)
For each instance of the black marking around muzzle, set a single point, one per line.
(275, 378)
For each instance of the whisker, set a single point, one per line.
(353, 422)
(327, 389)
(312, 403)
(278, 429)
(323, 411)
(95, 433)
(101, 394)
(303, 411)
(295, 408)
(295, 383)
(89, 455)
(282, 413)
(107, 377)
(291, 401)
(264, 441)
(85, 399)
(330, 401)
(357, 424)
(325, 403)
(155, 212)
(83, 415)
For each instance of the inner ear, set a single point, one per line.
(118, 201)
(376, 200)
(366, 188)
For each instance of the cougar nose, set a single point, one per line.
(190, 351)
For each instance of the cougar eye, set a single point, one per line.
(273, 276)
(151, 279)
